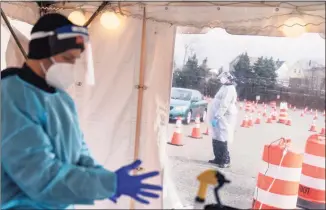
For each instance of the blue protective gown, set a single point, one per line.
(45, 163)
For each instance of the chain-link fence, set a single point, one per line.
(298, 92)
(298, 95)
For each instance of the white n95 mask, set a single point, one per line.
(60, 75)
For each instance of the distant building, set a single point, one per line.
(307, 74)
(313, 79)
(302, 73)
(283, 76)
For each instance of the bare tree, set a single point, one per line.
(189, 49)
(186, 46)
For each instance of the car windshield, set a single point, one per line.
(181, 94)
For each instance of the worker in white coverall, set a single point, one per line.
(222, 118)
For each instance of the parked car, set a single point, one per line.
(187, 104)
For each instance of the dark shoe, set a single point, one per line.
(227, 165)
(213, 162)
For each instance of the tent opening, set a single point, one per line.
(289, 71)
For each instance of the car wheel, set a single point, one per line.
(188, 118)
(204, 116)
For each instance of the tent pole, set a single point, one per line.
(141, 87)
(13, 34)
(97, 12)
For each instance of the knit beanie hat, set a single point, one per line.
(40, 48)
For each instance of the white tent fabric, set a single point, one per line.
(108, 110)
(4, 43)
(23, 11)
(254, 18)
(12, 54)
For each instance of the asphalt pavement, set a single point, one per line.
(246, 151)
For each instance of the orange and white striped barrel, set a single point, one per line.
(279, 177)
(284, 105)
(312, 182)
(283, 116)
(283, 113)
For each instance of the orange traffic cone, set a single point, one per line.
(269, 119)
(313, 127)
(265, 113)
(196, 130)
(177, 135)
(250, 123)
(257, 119)
(315, 117)
(248, 107)
(302, 114)
(207, 132)
(322, 132)
(274, 115)
(245, 122)
(289, 122)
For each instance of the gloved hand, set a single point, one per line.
(132, 185)
(214, 123)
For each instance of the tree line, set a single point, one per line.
(200, 77)
(257, 79)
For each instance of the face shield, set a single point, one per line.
(68, 41)
(223, 77)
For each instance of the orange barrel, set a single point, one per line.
(283, 113)
(283, 116)
(312, 182)
(279, 178)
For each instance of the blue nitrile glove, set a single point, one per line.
(214, 123)
(132, 186)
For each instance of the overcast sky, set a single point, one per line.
(221, 47)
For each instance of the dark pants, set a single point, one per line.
(221, 152)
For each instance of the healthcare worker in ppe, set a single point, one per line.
(45, 163)
(223, 117)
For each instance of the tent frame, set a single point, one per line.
(141, 88)
(3, 15)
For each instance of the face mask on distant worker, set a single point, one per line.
(59, 75)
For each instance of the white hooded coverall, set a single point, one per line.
(224, 110)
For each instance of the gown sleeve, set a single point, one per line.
(226, 97)
(86, 160)
(27, 157)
